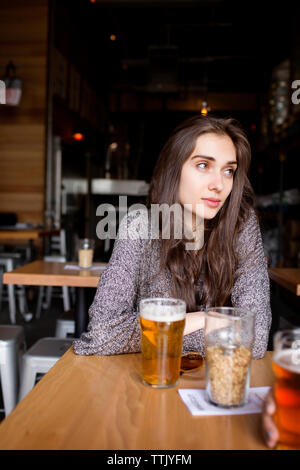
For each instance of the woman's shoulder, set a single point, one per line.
(249, 232)
(134, 225)
(249, 221)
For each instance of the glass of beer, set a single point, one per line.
(286, 367)
(162, 322)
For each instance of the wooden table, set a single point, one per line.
(53, 273)
(286, 277)
(99, 402)
(26, 235)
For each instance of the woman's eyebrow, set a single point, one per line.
(234, 162)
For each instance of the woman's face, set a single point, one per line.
(207, 175)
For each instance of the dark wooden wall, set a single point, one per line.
(23, 39)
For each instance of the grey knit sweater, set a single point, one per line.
(113, 316)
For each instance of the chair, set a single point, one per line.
(9, 261)
(26, 251)
(65, 325)
(59, 253)
(39, 359)
(12, 344)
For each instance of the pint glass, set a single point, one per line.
(286, 367)
(162, 323)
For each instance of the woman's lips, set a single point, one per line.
(211, 202)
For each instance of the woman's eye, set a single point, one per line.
(202, 165)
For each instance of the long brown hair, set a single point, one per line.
(216, 262)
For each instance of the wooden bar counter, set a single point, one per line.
(287, 277)
(99, 402)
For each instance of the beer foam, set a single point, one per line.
(162, 313)
(288, 359)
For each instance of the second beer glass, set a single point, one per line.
(286, 367)
(162, 323)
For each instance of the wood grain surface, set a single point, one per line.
(99, 402)
(53, 273)
(26, 234)
(286, 277)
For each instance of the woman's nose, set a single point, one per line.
(216, 182)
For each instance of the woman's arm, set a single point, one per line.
(194, 321)
(252, 286)
(114, 324)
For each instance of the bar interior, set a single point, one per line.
(92, 97)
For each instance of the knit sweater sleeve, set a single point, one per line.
(113, 319)
(252, 286)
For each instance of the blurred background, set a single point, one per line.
(95, 88)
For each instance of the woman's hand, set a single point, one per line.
(194, 321)
(270, 431)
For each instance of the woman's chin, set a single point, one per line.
(210, 213)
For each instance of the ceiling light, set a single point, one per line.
(204, 108)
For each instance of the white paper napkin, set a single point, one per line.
(198, 404)
(92, 268)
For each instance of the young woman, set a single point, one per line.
(204, 162)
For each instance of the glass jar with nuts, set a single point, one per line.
(229, 335)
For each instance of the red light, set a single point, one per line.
(77, 136)
(253, 127)
(92, 1)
